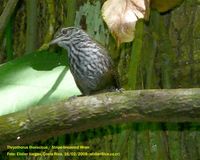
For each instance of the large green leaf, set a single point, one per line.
(37, 78)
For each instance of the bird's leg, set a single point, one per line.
(74, 97)
(120, 90)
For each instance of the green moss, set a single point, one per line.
(89, 18)
(135, 56)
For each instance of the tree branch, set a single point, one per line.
(82, 113)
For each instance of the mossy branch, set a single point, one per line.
(82, 113)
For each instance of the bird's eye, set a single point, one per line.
(64, 31)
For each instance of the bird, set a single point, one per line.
(89, 62)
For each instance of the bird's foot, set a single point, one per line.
(74, 97)
(120, 90)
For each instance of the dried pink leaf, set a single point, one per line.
(121, 17)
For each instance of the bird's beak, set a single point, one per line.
(56, 40)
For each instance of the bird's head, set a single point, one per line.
(66, 35)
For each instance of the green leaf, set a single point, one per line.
(37, 78)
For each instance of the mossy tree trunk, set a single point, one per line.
(169, 59)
